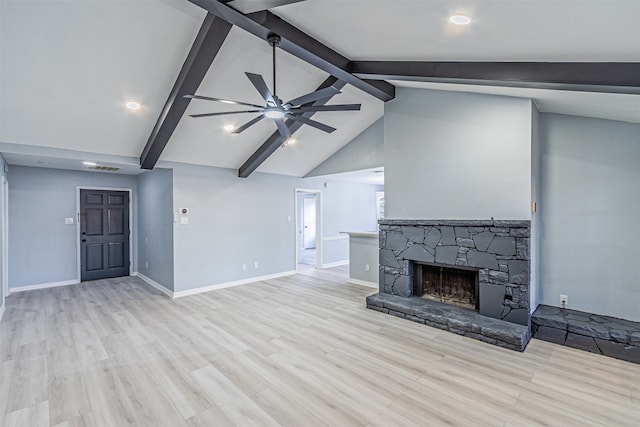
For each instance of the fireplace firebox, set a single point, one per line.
(455, 286)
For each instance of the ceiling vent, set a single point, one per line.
(103, 168)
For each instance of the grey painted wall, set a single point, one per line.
(364, 251)
(536, 178)
(236, 221)
(365, 151)
(2, 173)
(452, 155)
(42, 249)
(589, 211)
(155, 226)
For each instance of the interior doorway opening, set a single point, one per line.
(308, 227)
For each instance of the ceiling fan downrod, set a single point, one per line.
(274, 40)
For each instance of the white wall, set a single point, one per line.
(590, 210)
(452, 155)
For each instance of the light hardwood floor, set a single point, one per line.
(296, 351)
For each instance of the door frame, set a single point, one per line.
(5, 238)
(318, 194)
(78, 232)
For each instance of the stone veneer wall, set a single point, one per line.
(499, 250)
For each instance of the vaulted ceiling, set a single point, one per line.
(68, 67)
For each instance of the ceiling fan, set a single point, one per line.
(275, 108)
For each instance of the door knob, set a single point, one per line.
(84, 240)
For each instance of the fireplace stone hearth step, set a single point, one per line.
(606, 335)
(459, 320)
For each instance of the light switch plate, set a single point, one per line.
(68, 221)
(184, 220)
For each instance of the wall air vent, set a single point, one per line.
(103, 168)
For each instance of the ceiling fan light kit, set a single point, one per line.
(277, 110)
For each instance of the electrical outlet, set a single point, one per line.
(146, 264)
(244, 267)
(255, 264)
(564, 299)
(366, 267)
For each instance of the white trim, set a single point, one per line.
(319, 238)
(363, 283)
(5, 239)
(78, 257)
(44, 286)
(336, 264)
(2, 311)
(230, 284)
(327, 239)
(154, 284)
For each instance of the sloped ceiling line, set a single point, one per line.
(299, 44)
(605, 77)
(206, 46)
(275, 140)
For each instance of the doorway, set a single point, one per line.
(104, 233)
(308, 228)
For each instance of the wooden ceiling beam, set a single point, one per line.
(299, 44)
(606, 77)
(206, 46)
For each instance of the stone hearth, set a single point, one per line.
(497, 249)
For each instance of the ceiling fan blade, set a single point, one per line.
(283, 129)
(261, 86)
(226, 101)
(310, 122)
(327, 92)
(318, 108)
(226, 112)
(250, 6)
(248, 124)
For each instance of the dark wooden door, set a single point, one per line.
(104, 234)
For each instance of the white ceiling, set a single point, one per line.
(68, 67)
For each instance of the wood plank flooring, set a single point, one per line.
(296, 351)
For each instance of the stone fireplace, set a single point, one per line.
(476, 269)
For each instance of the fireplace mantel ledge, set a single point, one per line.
(459, 222)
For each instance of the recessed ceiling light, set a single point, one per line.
(88, 163)
(229, 128)
(291, 141)
(133, 105)
(460, 19)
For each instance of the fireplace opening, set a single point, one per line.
(454, 286)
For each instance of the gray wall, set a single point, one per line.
(589, 211)
(451, 155)
(155, 226)
(235, 221)
(42, 249)
(363, 251)
(365, 151)
(535, 217)
(2, 173)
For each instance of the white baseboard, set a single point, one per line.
(44, 286)
(230, 284)
(154, 284)
(363, 283)
(336, 264)
(2, 311)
